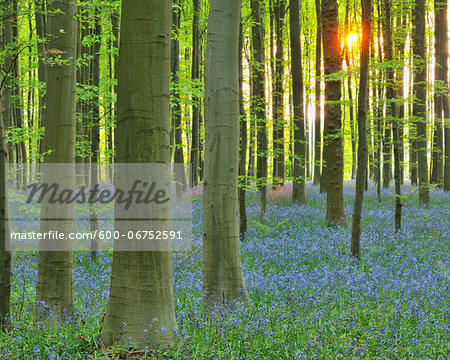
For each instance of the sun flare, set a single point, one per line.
(352, 40)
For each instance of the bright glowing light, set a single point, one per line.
(352, 40)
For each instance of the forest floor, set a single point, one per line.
(310, 299)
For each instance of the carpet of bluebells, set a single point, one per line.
(310, 299)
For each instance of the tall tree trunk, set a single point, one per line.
(333, 151)
(195, 151)
(176, 108)
(440, 72)
(142, 281)
(9, 68)
(318, 107)
(21, 150)
(387, 48)
(115, 20)
(401, 96)
(420, 93)
(258, 69)
(95, 128)
(361, 172)
(242, 146)
(379, 109)
(222, 269)
(54, 281)
(391, 111)
(41, 26)
(277, 96)
(350, 93)
(5, 256)
(298, 193)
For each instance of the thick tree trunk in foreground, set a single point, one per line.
(361, 172)
(54, 282)
(259, 92)
(333, 154)
(222, 268)
(420, 93)
(298, 193)
(141, 281)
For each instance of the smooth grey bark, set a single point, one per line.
(333, 149)
(361, 172)
(141, 287)
(54, 281)
(420, 93)
(222, 270)
(298, 191)
(259, 99)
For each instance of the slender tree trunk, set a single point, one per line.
(298, 193)
(54, 281)
(361, 173)
(379, 109)
(222, 269)
(242, 146)
(278, 104)
(258, 69)
(447, 144)
(333, 151)
(401, 98)
(115, 20)
(95, 128)
(420, 92)
(41, 48)
(9, 68)
(176, 108)
(195, 152)
(142, 281)
(317, 119)
(440, 72)
(350, 94)
(391, 111)
(5, 256)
